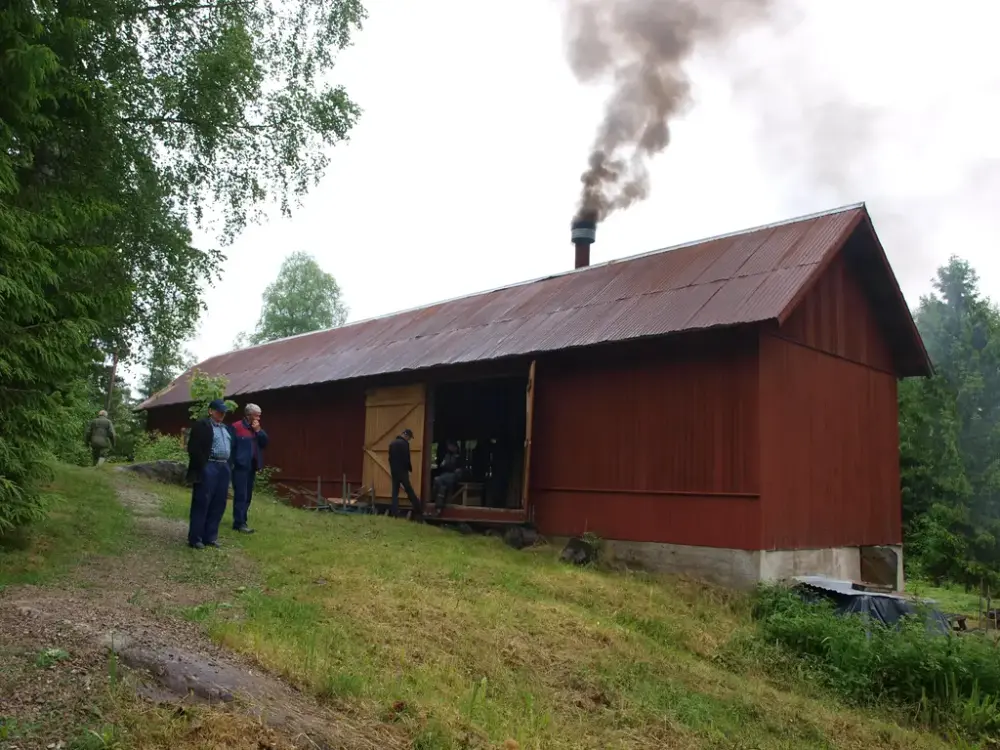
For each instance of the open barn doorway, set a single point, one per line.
(489, 422)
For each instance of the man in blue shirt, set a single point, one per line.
(210, 450)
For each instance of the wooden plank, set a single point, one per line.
(530, 406)
(388, 411)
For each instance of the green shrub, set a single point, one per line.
(949, 681)
(157, 447)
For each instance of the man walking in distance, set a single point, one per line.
(248, 459)
(100, 436)
(399, 469)
(210, 448)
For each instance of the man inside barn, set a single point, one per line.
(450, 468)
(248, 459)
(210, 451)
(399, 470)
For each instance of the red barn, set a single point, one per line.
(725, 408)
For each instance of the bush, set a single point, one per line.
(157, 447)
(949, 681)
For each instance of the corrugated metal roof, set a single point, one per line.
(745, 277)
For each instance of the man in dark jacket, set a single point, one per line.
(210, 455)
(399, 470)
(248, 459)
(450, 467)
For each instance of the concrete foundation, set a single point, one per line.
(744, 568)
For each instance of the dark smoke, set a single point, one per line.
(641, 46)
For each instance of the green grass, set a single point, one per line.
(470, 644)
(84, 520)
(461, 641)
(951, 598)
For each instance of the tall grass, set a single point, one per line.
(948, 681)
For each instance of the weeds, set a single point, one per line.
(50, 657)
(945, 681)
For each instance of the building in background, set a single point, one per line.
(725, 408)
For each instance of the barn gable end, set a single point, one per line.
(829, 432)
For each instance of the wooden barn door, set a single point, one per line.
(388, 411)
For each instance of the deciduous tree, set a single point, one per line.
(122, 122)
(303, 298)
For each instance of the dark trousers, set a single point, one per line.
(444, 485)
(243, 480)
(208, 503)
(403, 480)
(96, 453)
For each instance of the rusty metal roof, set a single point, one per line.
(746, 277)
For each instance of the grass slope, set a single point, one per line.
(84, 520)
(471, 644)
(41, 704)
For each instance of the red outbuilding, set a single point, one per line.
(725, 408)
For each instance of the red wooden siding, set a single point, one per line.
(651, 447)
(314, 431)
(829, 421)
(830, 450)
(169, 420)
(836, 317)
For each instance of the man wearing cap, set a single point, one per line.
(210, 449)
(399, 469)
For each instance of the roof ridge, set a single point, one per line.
(514, 285)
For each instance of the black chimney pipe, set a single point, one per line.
(583, 231)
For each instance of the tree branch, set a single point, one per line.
(185, 121)
(183, 6)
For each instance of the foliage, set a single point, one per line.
(950, 436)
(82, 401)
(303, 298)
(205, 389)
(119, 121)
(157, 447)
(949, 681)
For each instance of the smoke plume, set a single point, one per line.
(641, 47)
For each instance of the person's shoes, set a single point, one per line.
(244, 529)
(196, 545)
(213, 544)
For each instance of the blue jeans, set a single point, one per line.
(243, 480)
(208, 503)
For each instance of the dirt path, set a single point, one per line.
(129, 606)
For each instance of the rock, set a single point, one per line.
(520, 537)
(579, 552)
(168, 472)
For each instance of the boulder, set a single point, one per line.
(168, 472)
(579, 552)
(520, 537)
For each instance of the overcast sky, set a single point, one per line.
(463, 172)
